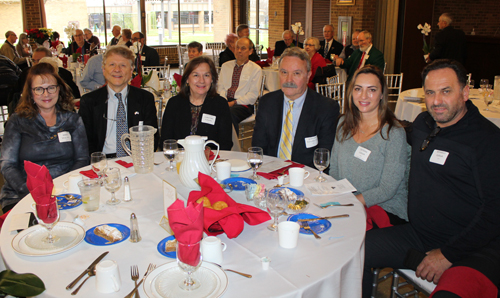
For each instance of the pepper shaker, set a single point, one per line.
(135, 236)
(127, 197)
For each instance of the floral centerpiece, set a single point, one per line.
(39, 35)
(70, 30)
(298, 30)
(425, 30)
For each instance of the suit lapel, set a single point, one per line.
(131, 108)
(279, 120)
(102, 111)
(305, 119)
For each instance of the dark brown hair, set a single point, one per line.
(27, 107)
(191, 66)
(352, 116)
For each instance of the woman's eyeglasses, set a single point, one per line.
(40, 90)
(429, 138)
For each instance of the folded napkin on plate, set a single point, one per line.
(89, 173)
(178, 79)
(40, 185)
(124, 163)
(187, 225)
(230, 219)
(283, 171)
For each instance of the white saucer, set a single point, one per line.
(238, 165)
(163, 282)
(70, 235)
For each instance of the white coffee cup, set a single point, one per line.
(297, 176)
(72, 183)
(288, 233)
(212, 248)
(223, 170)
(107, 277)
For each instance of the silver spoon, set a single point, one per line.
(240, 273)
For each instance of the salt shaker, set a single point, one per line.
(127, 197)
(135, 236)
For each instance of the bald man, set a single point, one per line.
(117, 31)
(329, 46)
(449, 42)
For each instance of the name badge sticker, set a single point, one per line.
(64, 136)
(311, 141)
(362, 153)
(143, 58)
(208, 119)
(439, 157)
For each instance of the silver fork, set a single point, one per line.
(340, 205)
(151, 267)
(306, 226)
(240, 273)
(134, 272)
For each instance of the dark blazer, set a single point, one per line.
(449, 43)
(280, 46)
(152, 57)
(94, 106)
(73, 47)
(375, 57)
(335, 48)
(114, 41)
(226, 55)
(318, 118)
(177, 121)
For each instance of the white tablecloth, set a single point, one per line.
(330, 267)
(273, 79)
(407, 110)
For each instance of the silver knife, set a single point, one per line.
(91, 267)
(327, 217)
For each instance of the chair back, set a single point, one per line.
(394, 83)
(183, 57)
(163, 71)
(333, 80)
(334, 91)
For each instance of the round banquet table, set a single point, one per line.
(330, 267)
(408, 109)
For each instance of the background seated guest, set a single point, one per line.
(381, 175)
(79, 45)
(195, 49)
(244, 31)
(296, 120)
(116, 31)
(348, 50)
(126, 38)
(43, 130)
(23, 46)
(55, 40)
(92, 76)
(149, 55)
(9, 75)
(9, 50)
(110, 111)
(92, 39)
(329, 45)
(287, 42)
(228, 53)
(198, 109)
(311, 46)
(449, 42)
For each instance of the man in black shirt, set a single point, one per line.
(453, 203)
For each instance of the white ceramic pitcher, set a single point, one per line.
(194, 160)
(142, 140)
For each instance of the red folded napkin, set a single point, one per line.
(229, 220)
(187, 225)
(124, 163)
(178, 79)
(90, 174)
(262, 63)
(40, 185)
(375, 214)
(270, 55)
(283, 171)
(137, 81)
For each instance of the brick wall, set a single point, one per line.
(278, 21)
(482, 15)
(33, 19)
(362, 13)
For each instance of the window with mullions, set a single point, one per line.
(258, 20)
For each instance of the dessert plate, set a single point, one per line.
(239, 165)
(238, 183)
(161, 248)
(92, 238)
(319, 226)
(295, 191)
(62, 201)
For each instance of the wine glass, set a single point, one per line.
(169, 151)
(189, 260)
(471, 84)
(112, 183)
(488, 99)
(99, 163)
(48, 216)
(483, 83)
(275, 205)
(255, 157)
(321, 162)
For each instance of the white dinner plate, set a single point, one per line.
(70, 235)
(163, 282)
(239, 165)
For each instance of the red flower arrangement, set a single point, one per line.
(39, 35)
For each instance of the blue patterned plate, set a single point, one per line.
(63, 202)
(319, 226)
(238, 183)
(295, 191)
(161, 248)
(93, 239)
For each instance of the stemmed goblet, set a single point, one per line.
(189, 260)
(99, 163)
(48, 216)
(255, 157)
(321, 162)
(169, 151)
(112, 183)
(488, 99)
(483, 83)
(275, 205)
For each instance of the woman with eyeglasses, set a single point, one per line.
(44, 130)
(312, 46)
(370, 149)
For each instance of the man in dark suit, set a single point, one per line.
(449, 43)
(281, 45)
(244, 31)
(117, 30)
(329, 45)
(367, 54)
(104, 110)
(149, 56)
(294, 121)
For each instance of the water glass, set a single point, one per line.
(189, 260)
(169, 151)
(91, 194)
(99, 163)
(112, 183)
(275, 205)
(321, 162)
(255, 157)
(48, 216)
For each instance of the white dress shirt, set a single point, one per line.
(249, 86)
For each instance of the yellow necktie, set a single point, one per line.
(285, 150)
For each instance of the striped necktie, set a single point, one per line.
(121, 126)
(285, 149)
(327, 49)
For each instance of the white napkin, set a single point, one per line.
(59, 48)
(154, 82)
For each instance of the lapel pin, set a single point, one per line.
(136, 113)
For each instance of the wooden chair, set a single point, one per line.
(394, 83)
(333, 80)
(334, 91)
(246, 126)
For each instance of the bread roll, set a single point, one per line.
(219, 205)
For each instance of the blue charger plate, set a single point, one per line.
(238, 183)
(319, 226)
(295, 191)
(93, 239)
(161, 248)
(62, 201)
